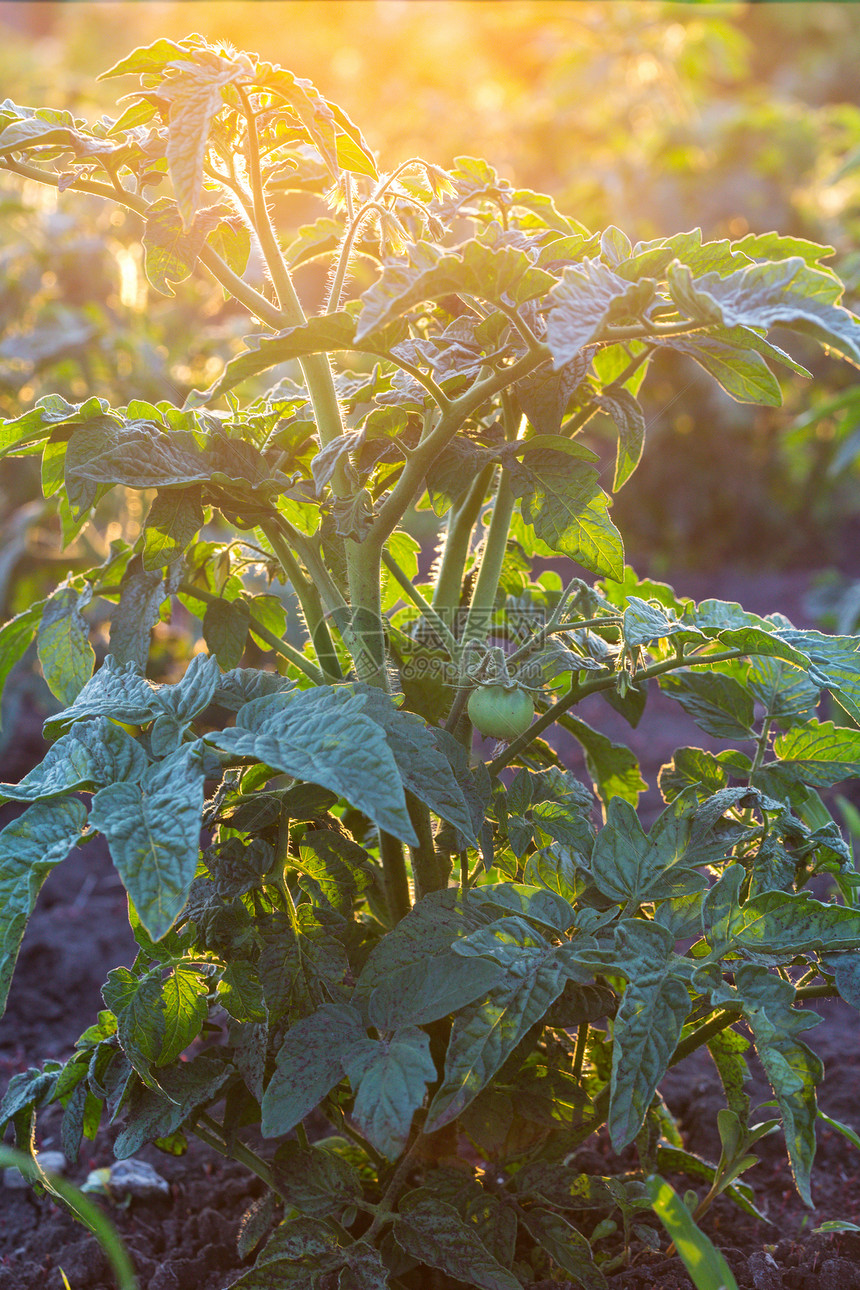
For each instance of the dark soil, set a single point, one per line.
(187, 1240)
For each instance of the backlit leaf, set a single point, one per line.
(30, 846)
(153, 831)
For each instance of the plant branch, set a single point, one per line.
(259, 629)
(309, 599)
(458, 537)
(395, 505)
(413, 594)
(394, 877)
(578, 692)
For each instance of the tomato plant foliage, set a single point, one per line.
(340, 910)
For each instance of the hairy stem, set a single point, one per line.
(394, 877)
(279, 646)
(458, 537)
(311, 605)
(426, 867)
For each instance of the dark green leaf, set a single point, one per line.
(792, 1069)
(612, 767)
(175, 517)
(91, 755)
(63, 645)
(325, 334)
(630, 867)
(141, 597)
(647, 1027)
(389, 1078)
(316, 1181)
(412, 977)
(308, 1066)
(486, 1032)
(153, 831)
(157, 1113)
(325, 736)
(626, 412)
(567, 1247)
(29, 848)
(717, 703)
(434, 1233)
(139, 1007)
(424, 769)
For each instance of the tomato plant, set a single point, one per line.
(441, 958)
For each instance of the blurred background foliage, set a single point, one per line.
(653, 116)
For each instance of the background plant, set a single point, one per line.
(464, 967)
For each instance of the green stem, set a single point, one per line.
(426, 866)
(578, 692)
(412, 477)
(309, 599)
(279, 646)
(412, 593)
(458, 537)
(487, 584)
(394, 877)
(214, 1135)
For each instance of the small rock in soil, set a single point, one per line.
(764, 1271)
(137, 1179)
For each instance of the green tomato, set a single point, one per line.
(501, 711)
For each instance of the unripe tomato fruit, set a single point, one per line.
(501, 711)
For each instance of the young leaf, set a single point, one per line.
(434, 1233)
(487, 1031)
(171, 247)
(588, 296)
(705, 1264)
(648, 1024)
(819, 752)
(153, 831)
(139, 1007)
(29, 848)
(324, 736)
(560, 497)
(93, 754)
(389, 1078)
(63, 645)
(308, 1066)
(174, 520)
(183, 998)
